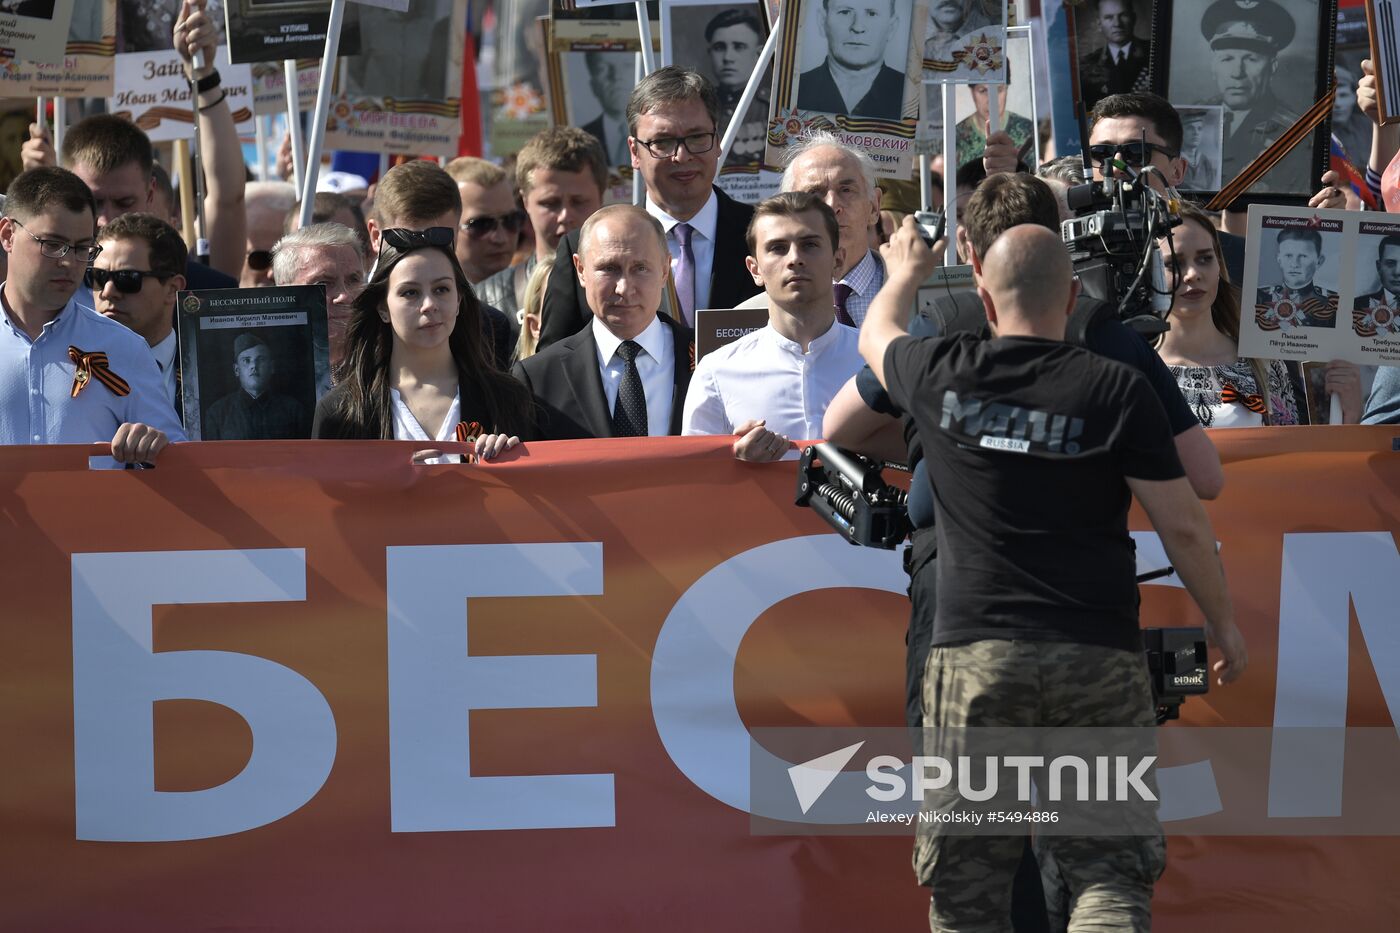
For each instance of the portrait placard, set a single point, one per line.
(150, 90)
(1264, 62)
(849, 67)
(270, 85)
(1113, 50)
(1383, 19)
(85, 69)
(253, 361)
(1350, 127)
(1202, 130)
(964, 40)
(276, 30)
(1015, 106)
(1321, 285)
(591, 25)
(36, 30)
(404, 95)
(717, 327)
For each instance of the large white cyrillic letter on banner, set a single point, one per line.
(434, 683)
(117, 677)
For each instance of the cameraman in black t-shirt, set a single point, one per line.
(1035, 449)
(861, 416)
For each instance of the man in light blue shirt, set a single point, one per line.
(67, 374)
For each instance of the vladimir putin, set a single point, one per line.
(254, 411)
(854, 78)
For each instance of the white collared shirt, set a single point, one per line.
(36, 381)
(164, 352)
(763, 375)
(655, 364)
(865, 279)
(702, 243)
(1116, 52)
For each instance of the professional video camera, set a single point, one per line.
(849, 492)
(1112, 241)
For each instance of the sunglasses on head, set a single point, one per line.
(479, 227)
(260, 260)
(128, 281)
(401, 238)
(1136, 153)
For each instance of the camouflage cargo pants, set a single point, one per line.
(1106, 880)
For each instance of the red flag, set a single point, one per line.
(469, 143)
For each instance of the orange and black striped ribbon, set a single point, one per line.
(1254, 403)
(467, 433)
(1270, 157)
(94, 366)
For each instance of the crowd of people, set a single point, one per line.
(492, 306)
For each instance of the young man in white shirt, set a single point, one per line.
(776, 382)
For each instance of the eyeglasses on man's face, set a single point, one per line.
(665, 147)
(57, 249)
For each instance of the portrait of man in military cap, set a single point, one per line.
(1262, 70)
(255, 411)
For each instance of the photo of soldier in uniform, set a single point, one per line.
(853, 55)
(596, 88)
(1293, 266)
(255, 410)
(1260, 60)
(1376, 308)
(1113, 54)
(1013, 103)
(962, 39)
(1200, 147)
(733, 35)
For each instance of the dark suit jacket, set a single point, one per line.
(568, 388)
(817, 91)
(1099, 76)
(595, 129)
(566, 307)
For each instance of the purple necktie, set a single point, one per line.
(843, 292)
(685, 273)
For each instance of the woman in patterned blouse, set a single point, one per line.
(1202, 347)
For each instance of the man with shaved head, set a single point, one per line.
(1035, 449)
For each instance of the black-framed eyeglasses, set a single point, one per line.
(402, 238)
(57, 249)
(485, 225)
(128, 281)
(1136, 153)
(665, 147)
(260, 260)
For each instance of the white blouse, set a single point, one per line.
(407, 428)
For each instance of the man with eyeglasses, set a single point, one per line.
(673, 118)
(134, 281)
(68, 375)
(491, 221)
(420, 196)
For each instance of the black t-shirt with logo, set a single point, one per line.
(1028, 444)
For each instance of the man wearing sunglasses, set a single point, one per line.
(673, 118)
(67, 374)
(267, 204)
(134, 281)
(491, 222)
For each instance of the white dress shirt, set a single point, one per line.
(764, 375)
(36, 381)
(407, 428)
(164, 352)
(702, 243)
(655, 364)
(865, 279)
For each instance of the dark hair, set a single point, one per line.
(1389, 241)
(364, 410)
(417, 190)
(168, 251)
(1303, 235)
(1004, 201)
(734, 16)
(33, 191)
(561, 149)
(163, 184)
(793, 204)
(671, 85)
(105, 143)
(1166, 122)
(971, 174)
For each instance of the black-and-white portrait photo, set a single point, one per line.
(733, 35)
(1376, 308)
(1299, 267)
(852, 56)
(149, 25)
(33, 9)
(1114, 48)
(405, 55)
(261, 394)
(275, 30)
(1258, 61)
(596, 88)
(87, 21)
(1351, 127)
(1200, 147)
(963, 40)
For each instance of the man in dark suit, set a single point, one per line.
(854, 79)
(1120, 65)
(610, 79)
(1378, 313)
(673, 120)
(626, 373)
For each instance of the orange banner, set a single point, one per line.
(310, 685)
